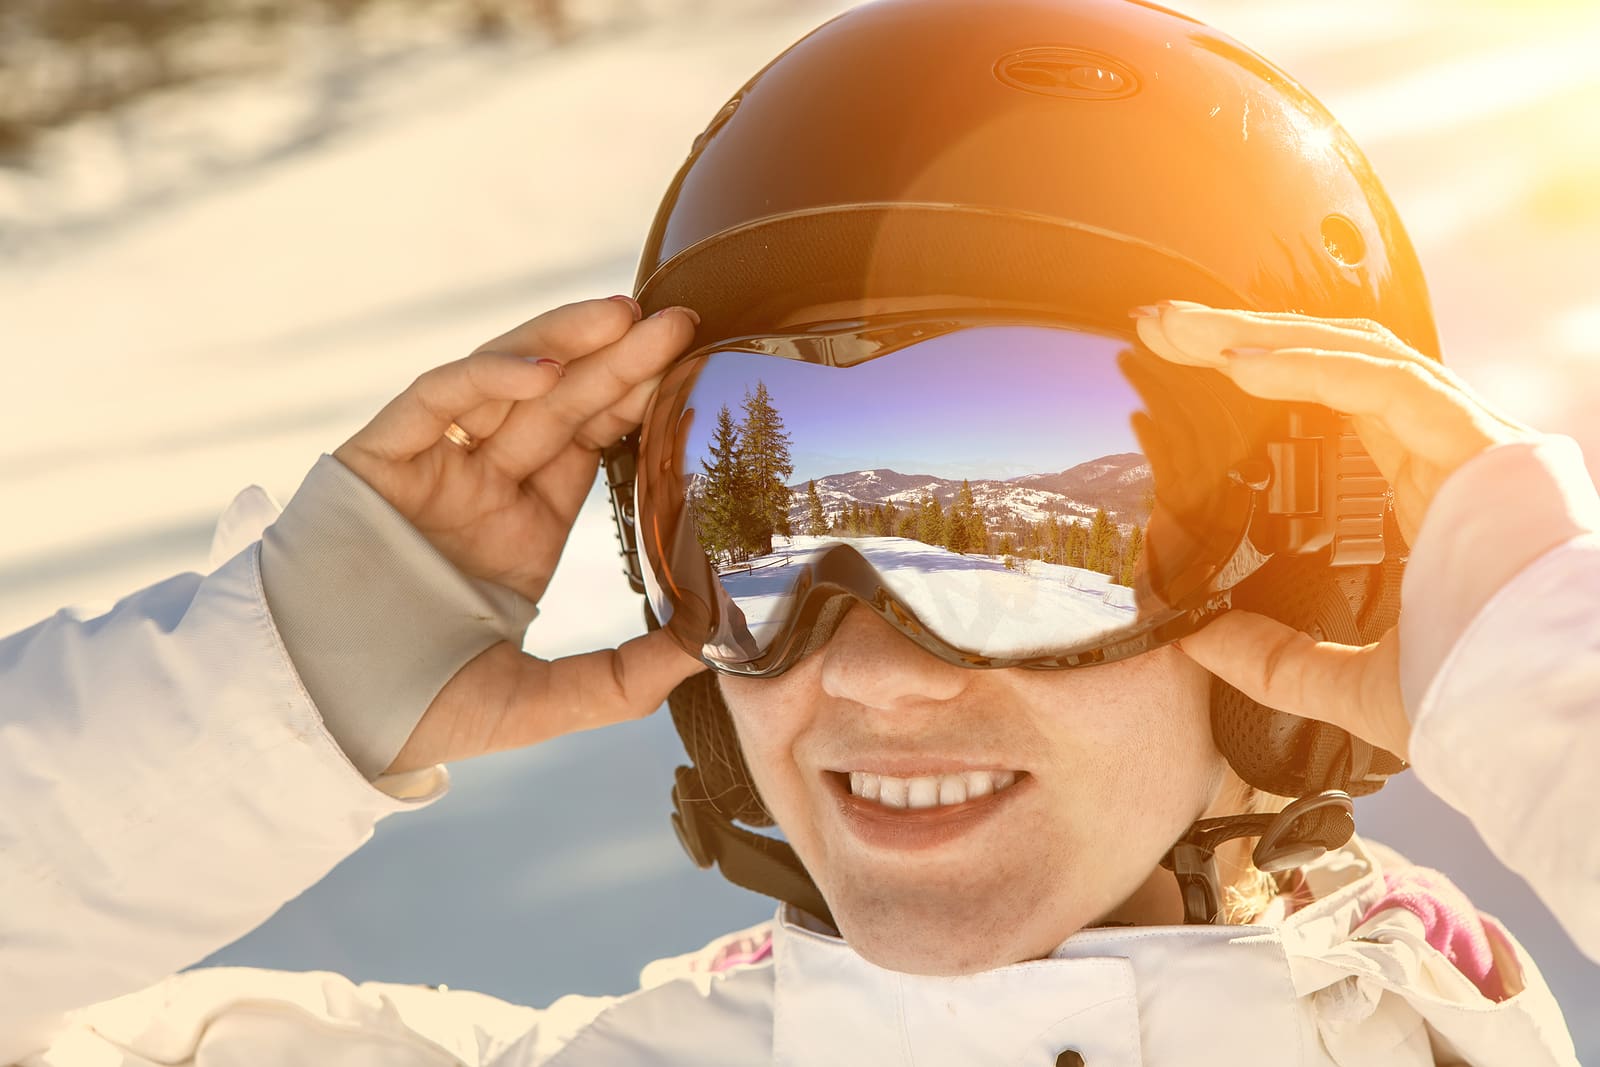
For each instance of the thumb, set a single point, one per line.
(505, 698)
(600, 688)
(1356, 688)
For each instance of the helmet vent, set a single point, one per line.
(1343, 241)
(1075, 73)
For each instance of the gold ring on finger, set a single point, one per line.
(456, 435)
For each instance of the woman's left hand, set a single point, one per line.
(1419, 422)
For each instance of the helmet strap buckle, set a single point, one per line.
(1325, 491)
(1296, 835)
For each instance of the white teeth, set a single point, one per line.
(929, 791)
(892, 792)
(953, 789)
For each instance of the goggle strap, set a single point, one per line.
(1326, 489)
(620, 462)
(760, 864)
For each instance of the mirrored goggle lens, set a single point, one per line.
(1014, 492)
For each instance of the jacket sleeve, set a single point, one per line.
(1500, 666)
(167, 781)
(222, 1016)
(167, 784)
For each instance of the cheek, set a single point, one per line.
(1142, 731)
(768, 715)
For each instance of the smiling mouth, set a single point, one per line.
(923, 812)
(928, 791)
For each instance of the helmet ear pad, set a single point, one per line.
(1285, 754)
(706, 727)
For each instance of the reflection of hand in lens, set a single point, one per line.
(1188, 468)
(692, 571)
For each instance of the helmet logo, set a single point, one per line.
(1076, 73)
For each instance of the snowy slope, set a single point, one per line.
(979, 604)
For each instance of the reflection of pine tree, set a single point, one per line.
(1055, 540)
(1075, 552)
(976, 536)
(720, 524)
(767, 468)
(958, 526)
(816, 518)
(1105, 545)
(1130, 556)
(930, 521)
(745, 498)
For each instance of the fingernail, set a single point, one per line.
(1145, 311)
(561, 371)
(633, 305)
(1246, 352)
(694, 316)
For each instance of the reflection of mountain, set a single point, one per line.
(1119, 483)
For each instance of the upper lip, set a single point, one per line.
(917, 766)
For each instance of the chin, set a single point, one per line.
(947, 939)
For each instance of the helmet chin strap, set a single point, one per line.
(749, 860)
(1294, 836)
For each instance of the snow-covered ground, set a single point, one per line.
(176, 347)
(973, 601)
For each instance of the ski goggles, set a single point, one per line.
(1006, 493)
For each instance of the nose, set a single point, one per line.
(869, 662)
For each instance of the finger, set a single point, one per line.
(533, 433)
(504, 698)
(1356, 688)
(568, 332)
(416, 420)
(625, 415)
(1200, 333)
(564, 482)
(595, 689)
(1428, 418)
(1196, 335)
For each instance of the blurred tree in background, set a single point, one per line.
(62, 59)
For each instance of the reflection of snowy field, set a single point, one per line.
(971, 601)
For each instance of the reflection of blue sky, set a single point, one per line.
(991, 403)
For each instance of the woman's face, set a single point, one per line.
(1112, 763)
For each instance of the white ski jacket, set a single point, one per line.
(166, 783)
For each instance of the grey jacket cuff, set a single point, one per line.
(374, 618)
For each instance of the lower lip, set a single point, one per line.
(916, 829)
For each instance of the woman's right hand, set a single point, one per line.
(540, 402)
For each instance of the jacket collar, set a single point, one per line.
(1127, 997)
(1130, 996)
